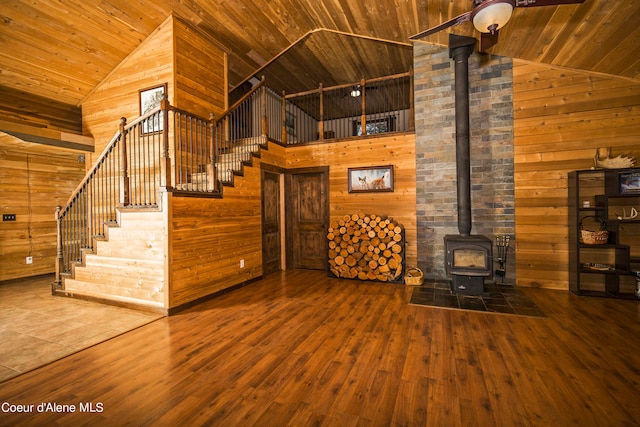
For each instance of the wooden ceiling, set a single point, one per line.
(61, 50)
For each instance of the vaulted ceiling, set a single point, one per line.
(62, 49)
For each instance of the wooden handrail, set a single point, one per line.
(343, 86)
(240, 101)
(106, 150)
(92, 171)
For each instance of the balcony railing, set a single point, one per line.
(364, 108)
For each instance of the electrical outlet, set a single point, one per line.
(29, 260)
(241, 263)
(8, 217)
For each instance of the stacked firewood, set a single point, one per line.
(366, 247)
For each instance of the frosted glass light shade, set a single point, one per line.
(492, 17)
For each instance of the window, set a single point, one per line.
(374, 126)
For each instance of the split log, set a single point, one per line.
(366, 247)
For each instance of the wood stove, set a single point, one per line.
(469, 260)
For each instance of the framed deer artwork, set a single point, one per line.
(371, 179)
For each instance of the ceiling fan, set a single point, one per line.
(488, 16)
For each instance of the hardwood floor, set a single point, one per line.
(298, 348)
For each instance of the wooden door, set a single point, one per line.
(309, 210)
(271, 233)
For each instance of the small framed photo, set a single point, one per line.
(371, 179)
(629, 182)
(150, 99)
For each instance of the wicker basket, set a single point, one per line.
(599, 237)
(414, 276)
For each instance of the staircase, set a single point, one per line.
(230, 163)
(113, 234)
(128, 265)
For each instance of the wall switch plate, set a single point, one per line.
(29, 260)
(8, 217)
(241, 263)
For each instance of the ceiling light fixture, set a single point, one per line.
(355, 92)
(492, 15)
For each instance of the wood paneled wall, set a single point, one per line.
(176, 54)
(200, 76)
(33, 180)
(151, 64)
(397, 150)
(204, 233)
(209, 236)
(560, 118)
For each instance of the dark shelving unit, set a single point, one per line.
(597, 200)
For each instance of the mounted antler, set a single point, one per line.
(618, 162)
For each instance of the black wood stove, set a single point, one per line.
(468, 258)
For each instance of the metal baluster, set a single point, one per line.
(151, 162)
(99, 211)
(143, 166)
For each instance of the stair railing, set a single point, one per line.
(126, 174)
(241, 130)
(166, 148)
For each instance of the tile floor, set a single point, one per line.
(497, 298)
(37, 328)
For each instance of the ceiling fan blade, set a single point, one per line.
(487, 40)
(450, 23)
(549, 2)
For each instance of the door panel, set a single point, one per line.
(271, 246)
(310, 217)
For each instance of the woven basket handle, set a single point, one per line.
(413, 270)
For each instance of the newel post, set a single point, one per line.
(166, 155)
(59, 256)
(265, 121)
(363, 119)
(124, 167)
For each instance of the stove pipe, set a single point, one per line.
(460, 48)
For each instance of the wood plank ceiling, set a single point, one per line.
(60, 50)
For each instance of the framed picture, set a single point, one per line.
(371, 179)
(149, 99)
(629, 182)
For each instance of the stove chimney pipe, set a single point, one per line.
(460, 48)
